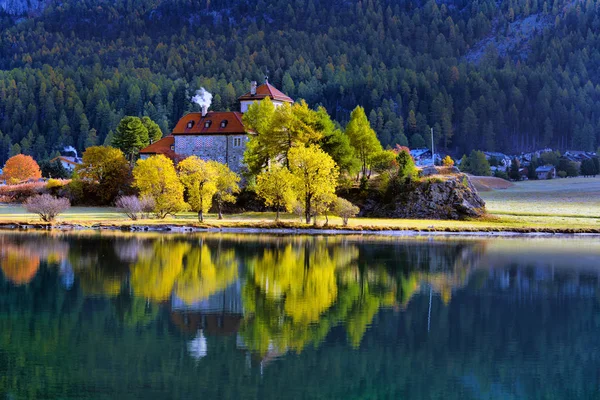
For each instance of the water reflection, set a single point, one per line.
(229, 305)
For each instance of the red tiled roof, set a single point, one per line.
(162, 146)
(64, 159)
(232, 120)
(267, 90)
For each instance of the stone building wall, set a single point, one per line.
(228, 149)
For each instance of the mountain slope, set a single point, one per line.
(70, 73)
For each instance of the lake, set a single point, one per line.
(114, 315)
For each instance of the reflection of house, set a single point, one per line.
(546, 172)
(215, 135)
(219, 314)
(68, 163)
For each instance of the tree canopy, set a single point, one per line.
(103, 172)
(315, 174)
(156, 177)
(21, 168)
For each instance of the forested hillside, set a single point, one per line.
(507, 76)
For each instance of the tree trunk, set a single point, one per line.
(219, 209)
(200, 216)
(277, 214)
(307, 209)
(326, 219)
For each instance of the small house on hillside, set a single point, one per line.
(546, 172)
(68, 163)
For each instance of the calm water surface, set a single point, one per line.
(123, 316)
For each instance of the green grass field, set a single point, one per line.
(571, 197)
(555, 205)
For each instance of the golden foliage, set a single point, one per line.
(315, 175)
(156, 177)
(198, 178)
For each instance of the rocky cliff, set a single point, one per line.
(446, 197)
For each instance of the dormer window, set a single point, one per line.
(172, 147)
(190, 125)
(223, 123)
(207, 124)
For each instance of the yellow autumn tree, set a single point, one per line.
(278, 130)
(198, 178)
(315, 175)
(156, 177)
(227, 185)
(448, 161)
(276, 188)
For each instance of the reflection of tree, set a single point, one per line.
(296, 295)
(204, 274)
(155, 273)
(18, 264)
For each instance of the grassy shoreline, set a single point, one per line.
(565, 206)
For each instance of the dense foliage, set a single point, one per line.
(68, 75)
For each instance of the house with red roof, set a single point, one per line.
(215, 135)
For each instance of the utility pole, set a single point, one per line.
(432, 152)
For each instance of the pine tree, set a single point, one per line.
(131, 136)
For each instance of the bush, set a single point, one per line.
(20, 193)
(130, 206)
(562, 174)
(344, 209)
(501, 174)
(448, 161)
(47, 206)
(147, 205)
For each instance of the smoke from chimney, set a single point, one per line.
(203, 98)
(253, 88)
(70, 149)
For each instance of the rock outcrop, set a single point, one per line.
(447, 197)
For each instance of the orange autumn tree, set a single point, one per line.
(21, 168)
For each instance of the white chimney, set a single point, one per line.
(253, 88)
(204, 110)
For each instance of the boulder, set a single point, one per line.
(452, 197)
(428, 171)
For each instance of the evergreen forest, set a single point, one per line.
(508, 76)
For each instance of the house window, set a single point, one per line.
(190, 124)
(207, 124)
(223, 123)
(237, 142)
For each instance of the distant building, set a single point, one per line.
(578, 156)
(68, 163)
(215, 135)
(546, 172)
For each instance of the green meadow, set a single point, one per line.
(560, 205)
